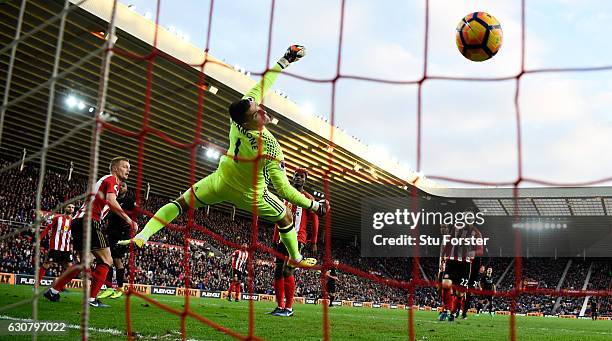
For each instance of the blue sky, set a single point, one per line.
(468, 128)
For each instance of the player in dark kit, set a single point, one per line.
(476, 274)
(476, 270)
(284, 280)
(486, 283)
(332, 278)
(594, 310)
(118, 230)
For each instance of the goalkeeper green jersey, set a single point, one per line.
(236, 166)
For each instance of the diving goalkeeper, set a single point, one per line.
(233, 180)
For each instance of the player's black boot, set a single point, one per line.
(51, 296)
(443, 316)
(285, 313)
(96, 303)
(275, 311)
(451, 317)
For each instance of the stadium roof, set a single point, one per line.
(173, 109)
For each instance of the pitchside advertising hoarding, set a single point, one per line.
(163, 291)
(210, 294)
(185, 292)
(139, 288)
(7, 278)
(29, 280)
(20, 279)
(249, 297)
(427, 225)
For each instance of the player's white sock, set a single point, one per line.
(91, 299)
(53, 291)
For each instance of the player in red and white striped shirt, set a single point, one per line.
(60, 241)
(239, 261)
(103, 200)
(455, 267)
(284, 280)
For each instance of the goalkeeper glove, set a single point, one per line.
(293, 54)
(321, 207)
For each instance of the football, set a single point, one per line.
(479, 36)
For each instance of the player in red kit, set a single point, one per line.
(239, 260)
(284, 280)
(103, 200)
(60, 241)
(455, 269)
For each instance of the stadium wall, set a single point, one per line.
(21, 279)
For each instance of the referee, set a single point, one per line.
(332, 277)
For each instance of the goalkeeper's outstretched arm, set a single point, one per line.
(243, 112)
(257, 92)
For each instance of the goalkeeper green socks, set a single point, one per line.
(289, 238)
(162, 217)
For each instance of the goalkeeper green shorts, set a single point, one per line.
(212, 190)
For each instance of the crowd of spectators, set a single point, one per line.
(601, 278)
(576, 275)
(164, 263)
(546, 271)
(574, 280)
(16, 252)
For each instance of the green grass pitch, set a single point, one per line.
(150, 322)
